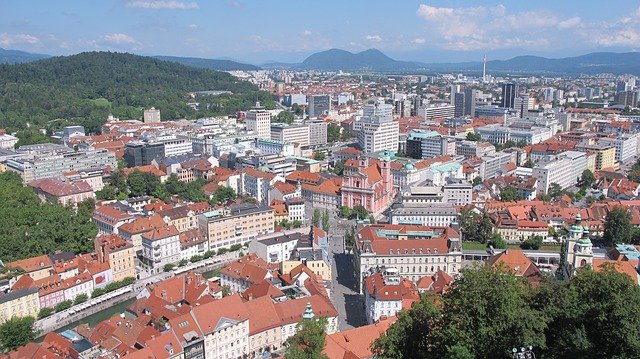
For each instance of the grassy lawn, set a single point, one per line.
(474, 246)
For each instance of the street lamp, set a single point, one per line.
(523, 353)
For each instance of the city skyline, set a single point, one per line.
(287, 31)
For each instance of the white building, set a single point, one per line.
(436, 111)
(151, 115)
(161, 246)
(626, 146)
(290, 133)
(275, 248)
(8, 141)
(500, 134)
(225, 325)
(273, 147)
(429, 144)
(377, 131)
(385, 293)
(565, 170)
(492, 165)
(258, 120)
(434, 215)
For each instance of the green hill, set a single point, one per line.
(85, 88)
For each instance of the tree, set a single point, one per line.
(473, 136)
(410, 335)
(587, 178)
(477, 181)
(80, 298)
(555, 191)
(222, 195)
(319, 156)
(315, 217)
(617, 227)
(284, 117)
(45, 312)
(31, 137)
(296, 224)
(528, 163)
(586, 312)
(169, 267)
(308, 341)
(142, 183)
(510, 194)
(475, 227)
(497, 241)
(226, 290)
(107, 192)
(119, 181)
(534, 242)
(345, 212)
(325, 221)
(17, 332)
(338, 168)
(333, 132)
(359, 212)
(486, 312)
(634, 175)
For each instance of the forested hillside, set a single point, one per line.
(30, 228)
(85, 88)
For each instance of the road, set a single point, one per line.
(344, 287)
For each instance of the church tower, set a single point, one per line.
(583, 256)
(575, 234)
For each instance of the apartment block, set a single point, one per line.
(239, 223)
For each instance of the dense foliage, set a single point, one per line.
(83, 89)
(617, 227)
(308, 341)
(489, 311)
(17, 332)
(30, 228)
(475, 227)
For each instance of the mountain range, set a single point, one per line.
(375, 60)
(211, 64)
(17, 57)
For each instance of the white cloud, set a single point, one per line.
(419, 41)
(491, 27)
(118, 39)
(163, 4)
(374, 38)
(12, 39)
(193, 27)
(569, 23)
(307, 32)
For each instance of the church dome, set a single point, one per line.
(409, 166)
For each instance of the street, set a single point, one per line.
(344, 287)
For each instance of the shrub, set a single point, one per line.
(45, 312)
(63, 305)
(80, 298)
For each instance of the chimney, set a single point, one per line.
(163, 294)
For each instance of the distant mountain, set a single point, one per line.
(17, 57)
(219, 64)
(596, 62)
(372, 59)
(592, 63)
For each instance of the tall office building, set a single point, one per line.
(508, 95)
(259, 120)
(318, 105)
(377, 129)
(469, 102)
(454, 90)
(458, 103)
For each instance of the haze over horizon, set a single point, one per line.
(434, 31)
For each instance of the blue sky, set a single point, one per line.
(289, 30)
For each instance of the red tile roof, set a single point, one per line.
(60, 188)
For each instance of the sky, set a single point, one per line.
(259, 31)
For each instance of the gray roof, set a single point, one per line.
(17, 294)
